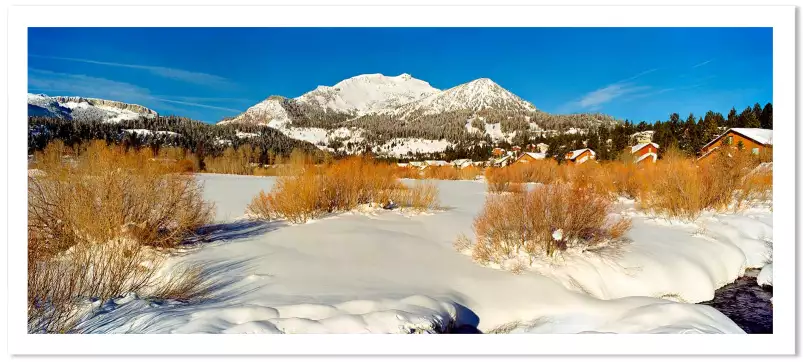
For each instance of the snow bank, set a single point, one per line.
(403, 276)
(765, 276)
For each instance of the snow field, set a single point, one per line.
(393, 273)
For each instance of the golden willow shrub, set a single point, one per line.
(679, 187)
(90, 218)
(339, 186)
(544, 221)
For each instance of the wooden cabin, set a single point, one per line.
(580, 156)
(528, 157)
(755, 140)
(644, 152)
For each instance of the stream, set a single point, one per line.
(746, 303)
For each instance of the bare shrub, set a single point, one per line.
(541, 171)
(423, 195)
(469, 173)
(546, 220)
(92, 221)
(441, 173)
(339, 186)
(680, 188)
(462, 243)
(503, 179)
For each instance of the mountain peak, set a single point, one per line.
(368, 93)
(476, 95)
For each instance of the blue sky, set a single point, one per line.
(208, 73)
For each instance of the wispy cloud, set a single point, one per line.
(83, 85)
(703, 63)
(207, 99)
(660, 91)
(165, 72)
(638, 75)
(196, 105)
(88, 86)
(595, 99)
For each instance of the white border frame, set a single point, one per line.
(781, 18)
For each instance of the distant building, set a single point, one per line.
(461, 163)
(755, 140)
(644, 152)
(642, 137)
(498, 152)
(418, 164)
(528, 157)
(502, 162)
(580, 156)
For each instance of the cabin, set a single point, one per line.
(496, 152)
(503, 161)
(755, 140)
(644, 152)
(580, 156)
(461, 163)
(642, 137)
(436, 163)
(515, 149)
(418, 164)
(528, 157)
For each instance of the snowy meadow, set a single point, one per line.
(378, 254)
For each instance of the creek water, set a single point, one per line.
(746, 303)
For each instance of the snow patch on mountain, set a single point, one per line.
(400, 147)
(80, 108)
(368, 93)
(476, 95)
(269, 112)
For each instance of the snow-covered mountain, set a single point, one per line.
(271, 112)
(371, 109)
(356, 96)
(474, 96)
(79, 108)
(369, 93)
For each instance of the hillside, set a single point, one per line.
(402, 115)
(91, 109)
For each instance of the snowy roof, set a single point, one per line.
(501, 160)
(461, 161)
(417, 163)
(763, 136)
(535, 155)
(573, 154)
(760, 135)
(639, 146)
(402, 164)
(436, 163)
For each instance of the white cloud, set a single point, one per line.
(165, 72)
(703, 63)
(593, 100)
(94, 87)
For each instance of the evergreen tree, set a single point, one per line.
(732, 118)
(751, 121)
(766, 116)
(709, 127)
(688, 137)
(757, 110)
